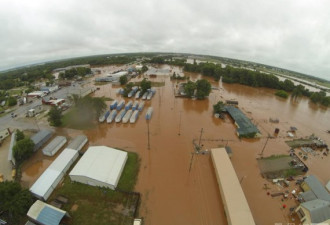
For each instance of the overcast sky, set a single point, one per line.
(292, 34)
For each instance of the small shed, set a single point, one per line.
(40, 138)
(78, 142)
(56, 144)
(43, 213)
(11, 146)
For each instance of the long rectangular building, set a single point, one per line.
(236, 206)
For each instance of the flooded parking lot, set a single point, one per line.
(172, 193)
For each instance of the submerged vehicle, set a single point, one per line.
(141, 105)
(113, 104)
(127, 116)
(120, 105)
(104, 116)
(120, 115)
(135, 105)
(112, 116)
(144, 96)
(134, 116)
(128, 105)
(149, 113)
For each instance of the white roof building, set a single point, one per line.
(56, 144)
(100, 166)
(52, 176)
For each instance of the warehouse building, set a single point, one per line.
(52, 176)
(100, 166)
(56, 144)
(40, 138)
(43, 213)
(113, 77)
(236, 206)
(11, 146)
(78, 142)
(245, 128)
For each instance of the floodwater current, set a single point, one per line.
(180, 188)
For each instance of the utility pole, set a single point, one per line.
(263, 149)
(148, 135)
(191, 160)
(200, 138)
(180, 124)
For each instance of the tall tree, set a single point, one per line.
(190, 88)
(145, 85)
(23, 149)
(203, 88)
(55, 116)
(19, 135)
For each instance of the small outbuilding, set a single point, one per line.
(100, 166)
(40, 138)
(56, 144)
(43, 213)
(78, 142)
(52, 176)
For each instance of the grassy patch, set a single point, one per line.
(107, 98)
(129, 175)
(95, 205)
(272, 157)
(100, 83)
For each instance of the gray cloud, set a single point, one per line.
(289, 34)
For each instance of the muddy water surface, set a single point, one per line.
(171, 194)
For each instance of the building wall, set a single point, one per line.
(90, 181)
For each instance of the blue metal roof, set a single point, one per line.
(50, 216)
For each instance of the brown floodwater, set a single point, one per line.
(171, 194)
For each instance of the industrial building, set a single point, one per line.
(52, 176)
(50, 89)
(56, 144)
(114, 77)
(236, 206)
(40, 138)
(78, 142)
(11, 146)
(37, 94)
(316, 206)
(43, 213)
(100, 166)
(245, 128)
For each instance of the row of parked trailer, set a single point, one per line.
(121, 112)
(138, 93)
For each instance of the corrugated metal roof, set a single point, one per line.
(63, 159)
(319, 210)
(308, 196)
(45, 214)
(78, 142)
(57, 142)
(44, 182)
(101, 163)
(317, 187)
(245, 126)
(38, 137)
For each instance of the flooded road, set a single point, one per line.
(173, 194)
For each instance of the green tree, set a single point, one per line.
(23, 149)
(296, 93)
(14, 201)
(123, 80)
(144, 68)
(190, 88)
(203, 88)
(218, 108)
(19, 135)
(282, 94)
(12, 101)
(55, 116)
(145, 85)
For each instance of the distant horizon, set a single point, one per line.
(36, 63)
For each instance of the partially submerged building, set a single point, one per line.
(52, 176)
(236, 206)
(100, 166)
(40, 138)
(113, 77)
(78, 142)
(56, 144)
(245, 128)
(45, 214)
(315, 208)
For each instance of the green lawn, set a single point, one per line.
(94, 205)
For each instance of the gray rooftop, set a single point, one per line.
(38, 137)
(317, 188)
(308, 196)
(319, 210)
(78, 142)
(54, 144)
